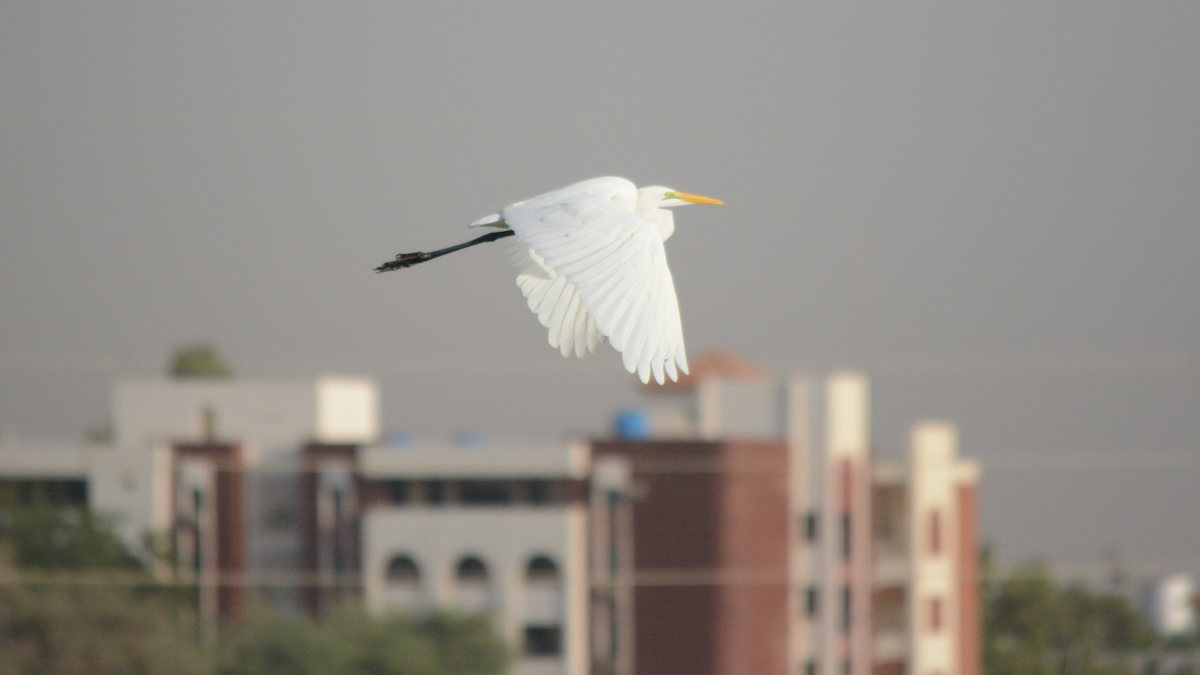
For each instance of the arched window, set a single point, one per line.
(472, 569)
(542, 568)
(403, 570)
(544, 607)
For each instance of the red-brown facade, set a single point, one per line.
(710, 558)
(226, 460)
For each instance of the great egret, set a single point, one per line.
(591, 262)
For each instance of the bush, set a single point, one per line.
(352, 643)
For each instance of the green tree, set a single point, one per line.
(352, 643)
(67, 629)
(47, 538)
(42, 528)
(199, 360)
(73, 600)
(1034, 626)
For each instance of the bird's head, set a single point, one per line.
(657, 196)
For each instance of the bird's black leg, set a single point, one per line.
(409, 259)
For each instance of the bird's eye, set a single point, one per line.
(671, 195)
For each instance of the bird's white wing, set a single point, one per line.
(612, 262)
(558, 307)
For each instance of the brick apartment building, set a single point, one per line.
(742, 528)
(755, 553)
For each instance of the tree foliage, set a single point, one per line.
(199, 360)
(59, 629)
(45, 537)
(74, 601)
(352, 643)
(1033, 626)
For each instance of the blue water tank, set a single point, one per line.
(633, 424)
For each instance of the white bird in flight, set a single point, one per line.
(591, 262)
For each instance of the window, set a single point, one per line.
(543, 640)
(846, 667)
(935, 614)
(845, 609)
(51, 491)
(403, 570)
(434, 491)
(542, 568)
(935, 532)
(399, 492)
(812, 598)
(811, 525)
(471, 568)
(485, 492)
(810, 667)
(811, 601)
(538, 491)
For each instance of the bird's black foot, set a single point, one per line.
(403, 260)
(409, 259)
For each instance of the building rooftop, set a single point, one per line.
(48, 460)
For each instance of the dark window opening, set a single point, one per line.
(402, 569)
(472, 568)
(539, 491)
(810, 667)
(434, 491)
(485, 492)
(52, 492)
(846, 609)
(846, 535)
(811, 526)
(812, 600)
(846, 667)
(543, 569)
(543, 640)
(399, 492)
(935, 614)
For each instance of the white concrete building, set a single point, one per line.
(1169, 605)
(269, 420)
(143, 483)
(498, 528)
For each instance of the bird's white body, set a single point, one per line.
(591, 263)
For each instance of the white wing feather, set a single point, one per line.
(535, 280)
(591, 268)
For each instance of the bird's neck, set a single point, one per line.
(664, 219)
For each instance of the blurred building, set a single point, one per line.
(767, 539)
(211, 470)
(494, 528)
(737, 524)
(1169, 604)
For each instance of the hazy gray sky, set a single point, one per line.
(993, 210)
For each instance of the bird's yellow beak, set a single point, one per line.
(693, 199)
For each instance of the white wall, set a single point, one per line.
(935, 477)
(506, 538)
(271, 415)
